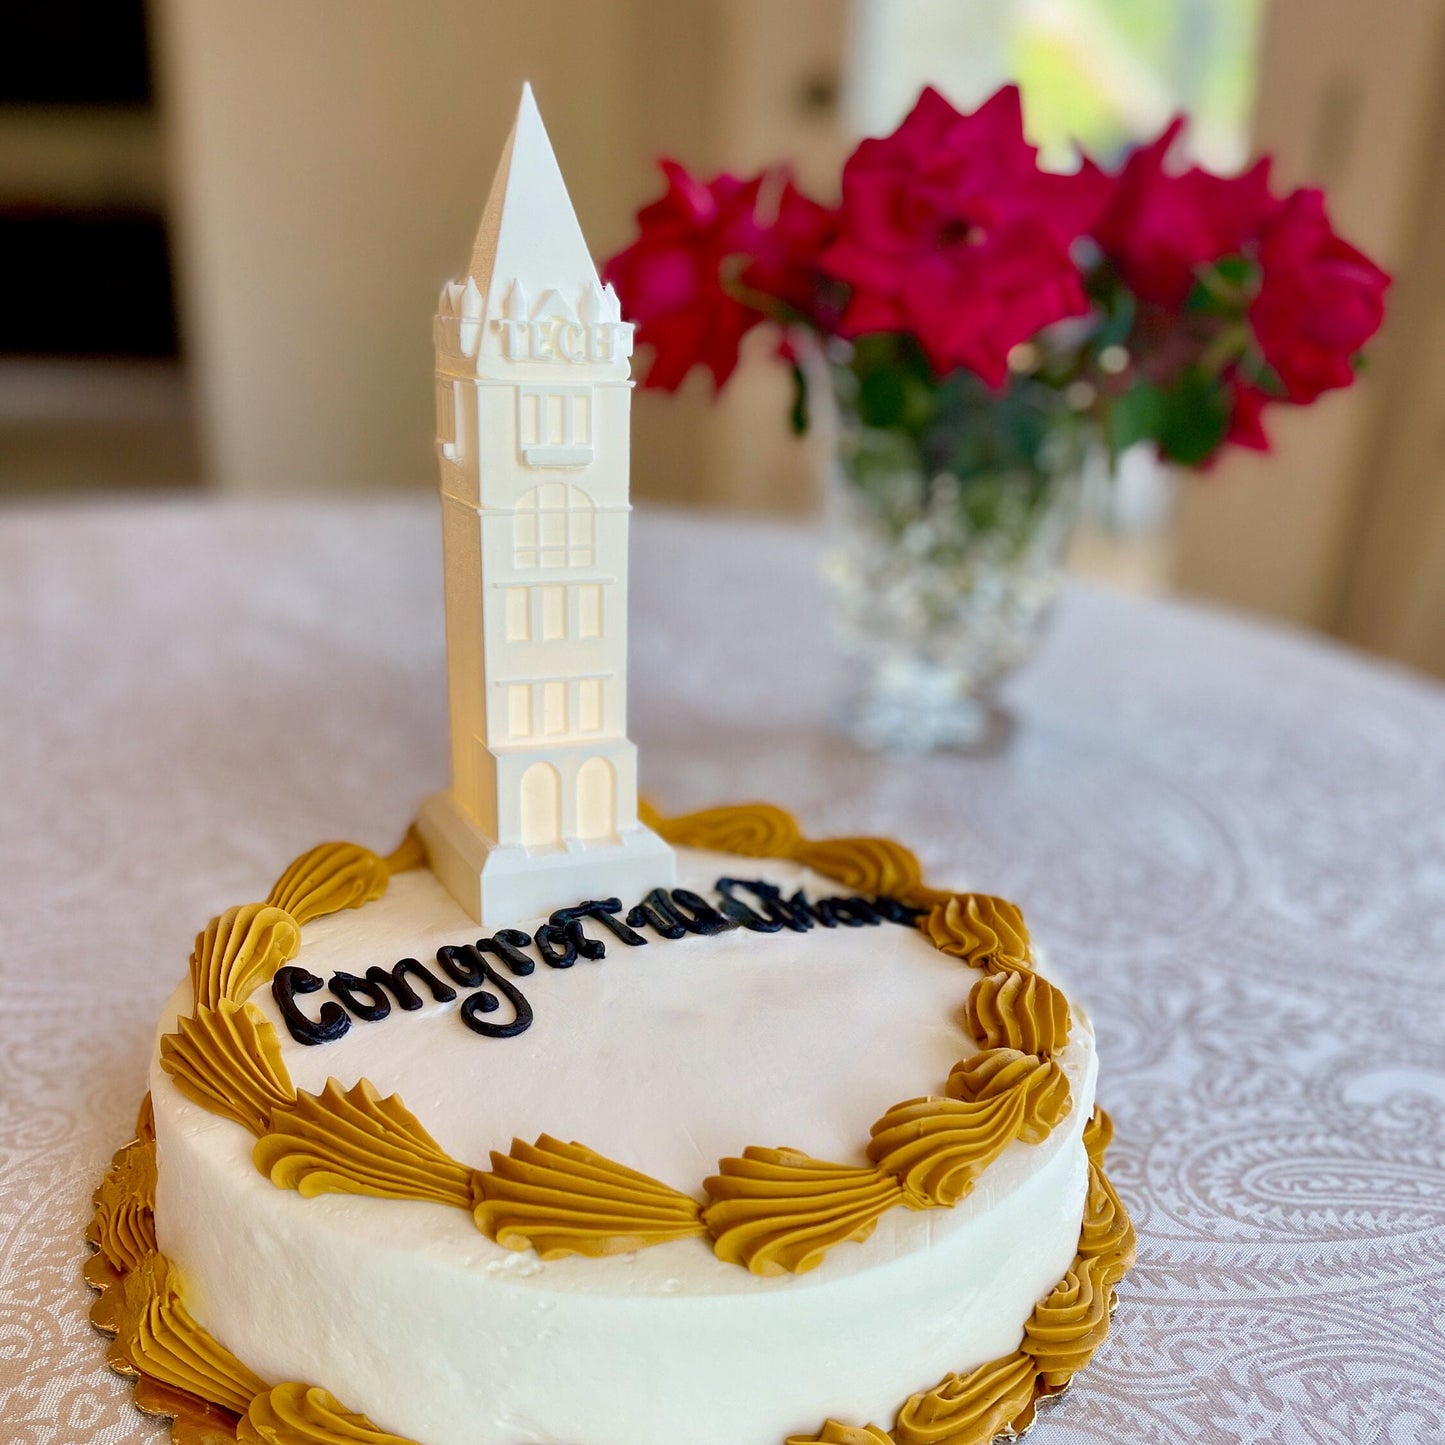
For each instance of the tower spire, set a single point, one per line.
(529, 231)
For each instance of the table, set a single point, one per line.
(1230, 836)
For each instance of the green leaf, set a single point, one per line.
(1136, 416)
(1118, 321)
(882, 397)
(1224, 287)
(798, 412)
(874, 350)
(1259, 373)
(1236, 271)
(1194, 419)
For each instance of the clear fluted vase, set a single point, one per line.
(942, 576)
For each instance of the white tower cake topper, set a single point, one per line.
(533, 402)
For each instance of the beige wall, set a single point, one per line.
(329, 164)
(1343, 527)
(329, 161)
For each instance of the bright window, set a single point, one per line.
(1104, 73)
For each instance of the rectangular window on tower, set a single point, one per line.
(519, 618)
(589, 610)
(519, 710)
(554, 425)
(554, 708)
(554, 613)
(529, 416)
(589, 705)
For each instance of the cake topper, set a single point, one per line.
(533, 402)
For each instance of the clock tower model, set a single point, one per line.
(533, 406)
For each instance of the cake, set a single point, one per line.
(569, 1124)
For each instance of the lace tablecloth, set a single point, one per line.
(1232, 837)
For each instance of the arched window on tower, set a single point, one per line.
(554, 525)
(596, 799)
(541, 806)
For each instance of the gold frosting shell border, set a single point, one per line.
(771, 1211)
(179, 1372)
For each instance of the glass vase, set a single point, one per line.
(942, 577)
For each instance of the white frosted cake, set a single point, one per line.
(566, 1124)
(825, 1163)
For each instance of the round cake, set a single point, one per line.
(801, 1149)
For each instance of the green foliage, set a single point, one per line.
(1193, 417)
(907, 428)
(1136, 416)
(798, 412)
(1225, 288)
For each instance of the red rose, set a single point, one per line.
(969, 309)
(792, 237)
(1246, 416)
(949, 229)
(1319, 299)
(1158, 228)
(670, 280)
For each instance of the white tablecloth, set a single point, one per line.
(1231, 837)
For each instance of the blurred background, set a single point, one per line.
(223, 228)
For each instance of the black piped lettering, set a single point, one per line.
(346, 987)
(893, 911)
(560, 942)
(556, 945)
(819, 912)
(698, 915)
(483, 1002)
(657, 913)
(604, 911)
(406, 996)
(332, 1023)
(771, 920)
(463, 964)
(507, 944)
(854, 912)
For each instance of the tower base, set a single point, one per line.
(504, 886)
